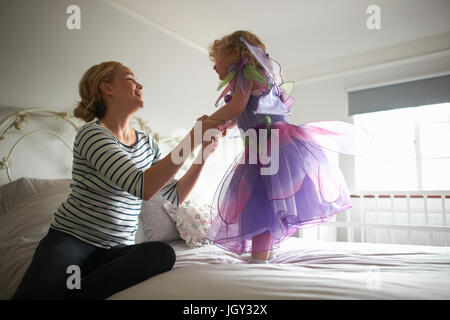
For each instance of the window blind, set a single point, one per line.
(403, 95)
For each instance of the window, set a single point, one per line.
(412, 149)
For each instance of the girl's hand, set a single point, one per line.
(223, 127)
(203, 117)
(209, 129)
(230, 126)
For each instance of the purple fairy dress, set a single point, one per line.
(300, 185)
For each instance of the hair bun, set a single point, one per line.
(83, 112)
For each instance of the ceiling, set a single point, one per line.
(300, 33)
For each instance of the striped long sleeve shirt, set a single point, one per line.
(107, 187)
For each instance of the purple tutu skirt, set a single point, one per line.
(307, 189)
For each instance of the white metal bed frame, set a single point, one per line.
(18, 119)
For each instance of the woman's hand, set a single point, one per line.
(208, 127)
(209, 123)
(210, 141)
(208, 147)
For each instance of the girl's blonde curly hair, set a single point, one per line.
(232, 45)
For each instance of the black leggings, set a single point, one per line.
(103, 271)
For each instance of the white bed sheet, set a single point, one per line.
(303, 270)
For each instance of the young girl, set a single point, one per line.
(254, 211)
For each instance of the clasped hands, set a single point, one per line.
(211, 140)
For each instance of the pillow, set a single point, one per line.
(23, 188)
(30, 205)
(154, 222)
(192, 221)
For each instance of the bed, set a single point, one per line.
(301, 268)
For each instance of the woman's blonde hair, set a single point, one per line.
(232, 45)
(92, 105)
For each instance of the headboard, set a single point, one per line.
(31, 124)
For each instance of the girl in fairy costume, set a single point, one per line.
(255, 209)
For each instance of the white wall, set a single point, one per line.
(42, 61)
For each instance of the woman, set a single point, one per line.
(114, 168)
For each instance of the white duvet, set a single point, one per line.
(304, 270)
